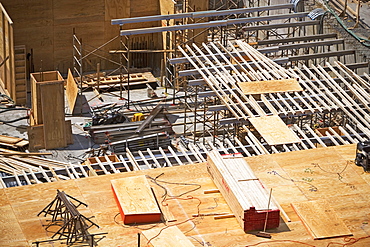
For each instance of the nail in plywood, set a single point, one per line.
(274, 130)
(171, 236)
(272, 86)
(135, 200)
(52, 103)
(320, 219)
(71, 91)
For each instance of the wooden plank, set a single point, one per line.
(135, 200)
(36, 137)
(272, 86)
(71, 91)
(274, 130)
(69, 135)
(52, 103)
(23, 154)
(10, 139)
(320, 219)
(169, 237)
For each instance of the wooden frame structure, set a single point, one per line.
(7, 73)
(48, 126)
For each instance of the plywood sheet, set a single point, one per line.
(71, 91)
(52, 103)
(274, 130)
(320, 219)
(96, 192)
(171, 236)
(272, 86)
(136, 200)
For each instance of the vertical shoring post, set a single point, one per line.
(120, 65)
(204, 119)
(81, 69)
(128, 72)
(195, 114)
(174, 76)
(185, 106)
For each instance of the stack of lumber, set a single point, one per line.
(13, 142)
(122, 131)
(141, 142)
(15, 162)
(48, 128)
(137, 80)
(135, 200)
(243, 192)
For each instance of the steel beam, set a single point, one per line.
(211, 24)
(199, 14)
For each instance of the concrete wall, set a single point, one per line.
(46, 27)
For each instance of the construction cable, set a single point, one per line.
(155, 181)
(280, 241)
(182, 222)
(13, 109)
(313, 188)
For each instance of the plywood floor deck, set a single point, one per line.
(295, 177)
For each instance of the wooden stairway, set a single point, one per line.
(20, 75)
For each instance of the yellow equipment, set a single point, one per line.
(137, 117)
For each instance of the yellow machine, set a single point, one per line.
(137, 117)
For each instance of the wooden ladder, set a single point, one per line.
(20, 74)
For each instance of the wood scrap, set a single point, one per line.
(13, 142)
(23, 154)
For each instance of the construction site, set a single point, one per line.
(185, 123)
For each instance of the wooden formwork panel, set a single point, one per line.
(320, 219)
(52, 103)
(274, 130)
(271, 86)
(71, 91)
(37, 79)
(7, 74)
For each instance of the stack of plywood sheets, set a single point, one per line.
(135, 200)
(245, 195)
(13, 142)
(48, 126)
